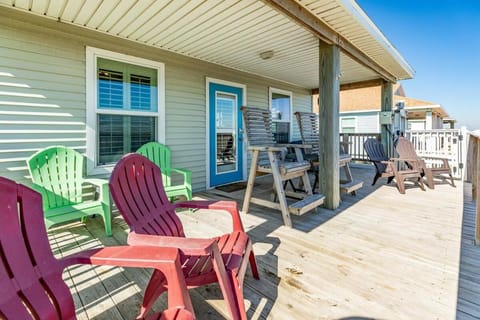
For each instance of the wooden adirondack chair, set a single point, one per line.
(160, 154)
(309, 126)
(31, 283)
(390, 168)
(58, 175)
(376, 155)
(406, 150)
(268, 157)
(136, 187)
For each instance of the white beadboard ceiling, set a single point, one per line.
(233, 33)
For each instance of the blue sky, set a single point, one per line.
(440, 39)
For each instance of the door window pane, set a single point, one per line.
(281, 110)
(226, 128)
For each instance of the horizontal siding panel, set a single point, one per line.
(47, 65)
(367, 123)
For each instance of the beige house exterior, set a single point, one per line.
(360, 111)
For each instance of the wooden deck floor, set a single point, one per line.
(381, 255)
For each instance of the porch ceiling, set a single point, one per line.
(233, 33)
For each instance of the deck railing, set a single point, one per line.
(473, 175)
(443, 143)
(354, 142)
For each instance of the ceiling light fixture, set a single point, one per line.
(266, 54)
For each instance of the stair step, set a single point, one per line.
(306, 204)
(351, 186)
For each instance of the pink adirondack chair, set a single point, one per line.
(137, 190)
(31, 284)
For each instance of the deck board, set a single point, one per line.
(380, 255)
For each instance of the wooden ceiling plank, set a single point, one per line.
(133, 14)
(40, 6)
(22, 4)
(86, 12)
(219, 22)
(55, 8)
(200, 26)
(163, 18)
(187, 24)
(257, 38)
(113, 17)
(71, 10)
(102, 13)
(231, 26)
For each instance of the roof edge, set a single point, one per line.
(352, 7)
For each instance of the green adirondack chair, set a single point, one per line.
(58, 175)
(160, 155)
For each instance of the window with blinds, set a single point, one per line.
(130, 92)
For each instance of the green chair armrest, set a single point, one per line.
(102, 184)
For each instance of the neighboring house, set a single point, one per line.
(106, 77)
(360, 111)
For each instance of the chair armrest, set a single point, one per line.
(188, 246)
(164, 259)
(125, 256)
(229, 206)
(103, 186)
(268, 148)
(187, 174)
(444, 160)
(402, 159)
(295, 145)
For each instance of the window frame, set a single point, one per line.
(272, 90)
(92, 102)
(355, 123)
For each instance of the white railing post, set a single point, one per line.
(463, 151)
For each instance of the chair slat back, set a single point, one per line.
(375, 153)
(406, 149)
(31, 285)
(160, 155)
(258, 125)
(137, 189)
(308, 123)
(59, 171)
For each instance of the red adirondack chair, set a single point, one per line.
(137, 190)
(31, 284)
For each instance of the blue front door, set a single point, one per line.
(226, 154)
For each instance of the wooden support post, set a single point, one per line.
(329, 146)
(472, 168)
(476, 166)
(386, 130)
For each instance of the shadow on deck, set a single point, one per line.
(380, 255)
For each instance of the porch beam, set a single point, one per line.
(356, 85)
(329, 146)
(386, 106)
(304, 17)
